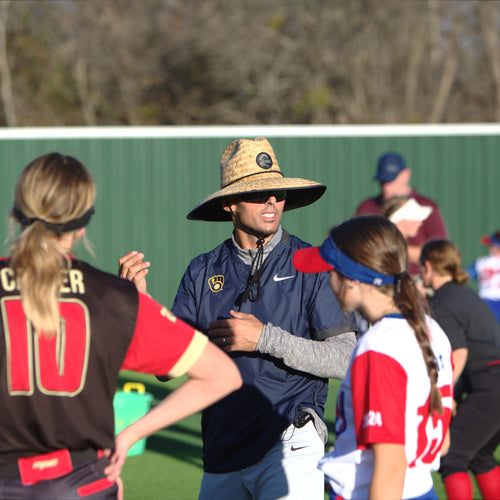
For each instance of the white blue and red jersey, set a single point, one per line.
(486, 270)
(385, 399)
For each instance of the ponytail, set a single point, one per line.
(412, 306)
(54, 198)
(38, 263)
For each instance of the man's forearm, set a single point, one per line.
(326, 358)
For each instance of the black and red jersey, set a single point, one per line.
(58, 392)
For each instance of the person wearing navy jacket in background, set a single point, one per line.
(285, 331)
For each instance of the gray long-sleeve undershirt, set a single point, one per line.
(327, 358)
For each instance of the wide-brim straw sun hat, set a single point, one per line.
(250, 166)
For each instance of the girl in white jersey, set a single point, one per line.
(486, 271)
(394, 406)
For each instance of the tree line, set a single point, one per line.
(206, 62)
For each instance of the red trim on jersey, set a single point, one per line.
(95, 487)
(446, 391)
(378, 399)
(157, 333)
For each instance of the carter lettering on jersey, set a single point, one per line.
(72, 281)
(8, 280)
(168, 314)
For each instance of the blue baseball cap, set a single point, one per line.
(389, 166)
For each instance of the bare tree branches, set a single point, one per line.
(490, 26)
(447, 78)
(186, 62)
(5, 75)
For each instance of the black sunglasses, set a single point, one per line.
(263, 196)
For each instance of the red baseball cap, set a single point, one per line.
(328, 257)
(490, 240)
(309, 260)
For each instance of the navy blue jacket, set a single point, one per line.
(240, 429)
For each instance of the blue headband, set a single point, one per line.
(350, 268)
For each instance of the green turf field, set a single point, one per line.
(171, 468)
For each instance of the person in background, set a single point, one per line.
(474, 334)
(486, 271)
(66, 331)
(408, 215)
(285, 331)
(394, 405)
(394, 178)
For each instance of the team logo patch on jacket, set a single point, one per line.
(216, 283)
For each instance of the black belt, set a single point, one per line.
(10, 470)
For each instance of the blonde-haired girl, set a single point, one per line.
(66, 330)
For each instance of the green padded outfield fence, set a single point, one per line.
(148, 179)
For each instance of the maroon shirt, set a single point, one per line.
(433, 227)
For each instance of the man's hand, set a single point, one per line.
(133, 268)
(241, 332)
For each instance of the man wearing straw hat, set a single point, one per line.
(285, 331)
